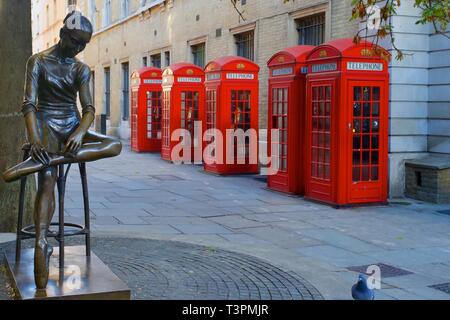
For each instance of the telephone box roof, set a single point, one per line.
(232, 63)
(293, 54)
(183, 68)
(148, 72)
(346, 48)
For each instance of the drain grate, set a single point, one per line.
(166, 177)
(447, 212)
(444, 287)
(387, 271)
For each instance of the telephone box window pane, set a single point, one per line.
(320, 171)
(366, 112)
(375, 142)
(357, 95)
(327, 172)
(315, 93)
(356, 174)
(365, 173)
(328, 109)
(366, 157)
(357, 109)
(374, 175)
(322, 109)
(315, 109)
(376, 94)
(327, 141)
(356, 158)
(375, 157)
(356, 142)
(320, 124)
(375, 125)
(357, 126)
(366, 126)
(366, 93)
(375, 109)
(315, 124)
(366, 142)
(315, 139)
(328, 93)
(314, 170)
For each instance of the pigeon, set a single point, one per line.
(360, 291)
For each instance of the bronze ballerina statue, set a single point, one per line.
(56, 131)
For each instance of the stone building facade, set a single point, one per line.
(419, 97)
(130, 34)
(47, 17)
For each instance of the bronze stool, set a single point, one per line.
(28, 233)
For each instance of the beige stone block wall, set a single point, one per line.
(174, 26)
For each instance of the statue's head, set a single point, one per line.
(75, 34)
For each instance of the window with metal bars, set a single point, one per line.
(125, 91)
(311, 30)
(198, 54)
(107, 92)
(156, 60)
(245, 45)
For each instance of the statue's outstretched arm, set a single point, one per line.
(38, 152)
(75, 141)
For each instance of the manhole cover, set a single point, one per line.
(387, 271)
(167, 177)
(444, 287)
(166, 270)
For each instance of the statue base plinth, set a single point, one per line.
(83, 278)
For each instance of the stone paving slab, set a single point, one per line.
(339, 257)
(340, 240)
(236, 222)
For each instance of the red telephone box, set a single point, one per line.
(232, 89)
(347, 124)
(183, 105)
(146, 110)
(287, 98)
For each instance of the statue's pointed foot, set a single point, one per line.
(42, 254)
(22, 170)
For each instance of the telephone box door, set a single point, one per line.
(320, 144)
(279, 97)
(368, 126)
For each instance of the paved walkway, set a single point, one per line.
(141, 196)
